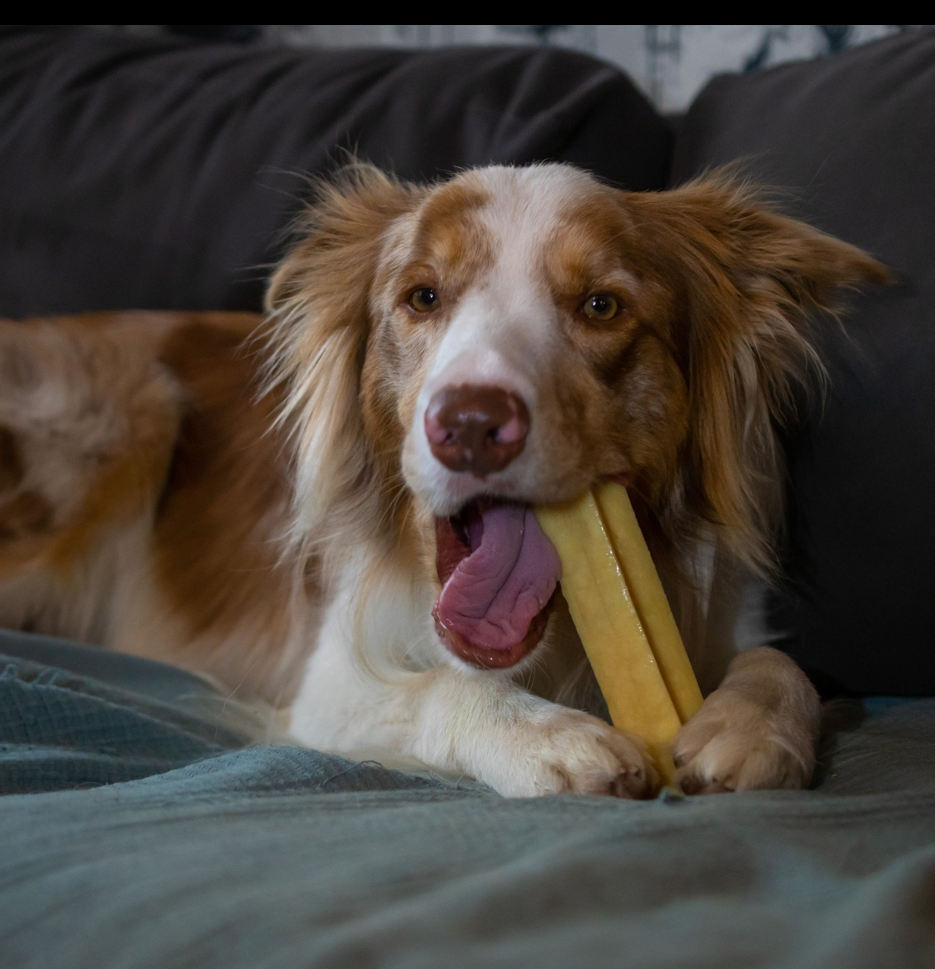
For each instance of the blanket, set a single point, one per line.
(141, 833)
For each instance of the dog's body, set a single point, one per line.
(279, 503)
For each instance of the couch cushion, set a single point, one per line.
(157, 173)
(853, 137)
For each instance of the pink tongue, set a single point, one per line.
(495, 593)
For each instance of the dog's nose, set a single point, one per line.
(476, 428)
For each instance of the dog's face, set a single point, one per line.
(526, 348)
(512, 336)
(535, 347)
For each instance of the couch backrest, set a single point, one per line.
(853, 140)
(158, 173)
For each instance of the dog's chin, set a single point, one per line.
(498, 575)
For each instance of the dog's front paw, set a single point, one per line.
(736, 744)
(569, 752)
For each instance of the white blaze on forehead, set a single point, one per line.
(503, 329)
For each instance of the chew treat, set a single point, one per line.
(623, 617)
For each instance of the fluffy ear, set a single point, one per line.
(752, 280)
(319, 306)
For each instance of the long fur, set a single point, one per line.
(277, 495)
(757, 281)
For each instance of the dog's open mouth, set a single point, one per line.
(499, 574)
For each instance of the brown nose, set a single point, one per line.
(476, 428)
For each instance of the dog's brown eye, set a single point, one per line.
(600, 307)
(424, 300)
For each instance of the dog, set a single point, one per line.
(328, 508)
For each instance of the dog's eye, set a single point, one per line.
(424, 300)
(600, 307)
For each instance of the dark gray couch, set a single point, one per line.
(162, 174)
(138, 173)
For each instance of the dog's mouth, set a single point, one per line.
(499, 574)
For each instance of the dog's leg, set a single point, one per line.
(87, 427)
(521, 744)
(456, 719)
(479, 724)
(758, 730)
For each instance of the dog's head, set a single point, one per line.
(458, 352)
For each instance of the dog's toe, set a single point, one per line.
(574, 753)
(731, 745)
(638, 783)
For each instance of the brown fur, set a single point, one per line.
(747, 281)
(202, 531)
(261, 457)
(688, 384)
(331, 275)
(25, 515)
(213, 481)
(66, 492)
(11, 463)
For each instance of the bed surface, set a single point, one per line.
(282, 857)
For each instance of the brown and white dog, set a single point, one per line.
(329, 509)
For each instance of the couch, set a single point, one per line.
(139, 829)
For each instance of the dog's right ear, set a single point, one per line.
(319, 307)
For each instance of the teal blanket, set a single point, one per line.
(153, 841)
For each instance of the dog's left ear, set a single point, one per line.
(319, 307)
(752, 281)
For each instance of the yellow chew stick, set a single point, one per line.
(623, 617)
